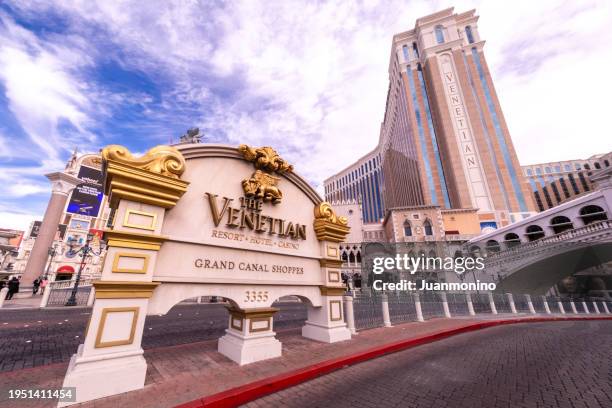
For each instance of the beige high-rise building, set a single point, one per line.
(444, 140)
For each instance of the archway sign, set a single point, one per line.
(207, 220)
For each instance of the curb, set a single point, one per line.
(257, 389)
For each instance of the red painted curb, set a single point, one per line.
(257, 389)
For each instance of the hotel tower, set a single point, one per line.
(444, 140)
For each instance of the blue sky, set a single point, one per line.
(309, 78)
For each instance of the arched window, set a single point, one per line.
(492, 246)
(407, 229)
(597, 165)
(561, 223)
(344, 257)
(534, 232)
(351, 257)
(358, 256)
(592, 213)
(607, 163)
(512, 240)
(475, 250)
(458, 254)
(427, 227)
(468, 33)
(439, 34)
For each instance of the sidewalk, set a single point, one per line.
(31, 302)
(180, 374)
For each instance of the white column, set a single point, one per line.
(92, 297)
(492, 303)
(573, 305)
(417, 307)
(511, 301)
(546, 307)
(350, 314)
(470, 305)
(45, 297)
(530, 304)
(605, 306)
(596, 308)
(3, 293)
(561, 307)
(447, 312)
(586, 308)
(385, 310)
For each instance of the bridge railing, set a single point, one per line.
(598, 226)
(370, 307)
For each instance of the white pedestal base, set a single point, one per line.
(245, 350)
(326, 334)
(97, 378)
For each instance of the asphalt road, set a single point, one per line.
(30, 338)
(560, 364)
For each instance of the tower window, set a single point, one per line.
(428, 228)
(439, 35)
(468, 33)
(407, 229)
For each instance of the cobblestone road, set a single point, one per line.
(561, 364)
(30, 338)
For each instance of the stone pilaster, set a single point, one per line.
(139, 191)
(326, 323)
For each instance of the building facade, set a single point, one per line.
(554, 183)
(359, 182)
(86, 212)
(444, 140)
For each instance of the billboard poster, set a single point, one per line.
(86, 198)
(35, 229)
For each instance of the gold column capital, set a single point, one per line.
(152, 179)
(124, 289)
(328, 226)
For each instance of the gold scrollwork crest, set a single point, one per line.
(262, 184)
(164, 160)
(327, 225)
(325, 212)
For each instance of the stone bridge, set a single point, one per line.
(532, 255)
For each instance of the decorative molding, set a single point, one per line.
(330, 263)
(331, 316)
(332, 290)
(119, 255)
(236, 323)
(328, 226)
(130, 211)
(259, 319)
(333, 251)
(164, 160)
(252, 313)
(265, 158)
(262, 184)
(102, 326)
(152, 179)
(336, 274)
(125, 239)
(124, 289)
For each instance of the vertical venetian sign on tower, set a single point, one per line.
(208, 220)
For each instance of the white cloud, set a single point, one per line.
(17, 221)
(312, 78)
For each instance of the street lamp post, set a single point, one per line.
(52, 252)
(85, 251)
